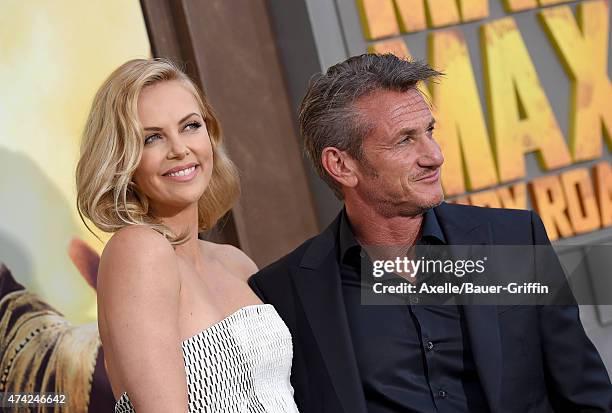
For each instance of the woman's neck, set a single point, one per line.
(181, 222)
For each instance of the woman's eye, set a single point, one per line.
(193, 125)
(151, 138)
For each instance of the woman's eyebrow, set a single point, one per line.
(155, 128)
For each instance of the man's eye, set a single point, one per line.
(193, 125)
(151, 138)
(406, 139)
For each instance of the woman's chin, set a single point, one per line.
(175, 205)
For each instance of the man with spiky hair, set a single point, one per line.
(369, 133)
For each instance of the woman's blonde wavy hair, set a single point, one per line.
(111, 149)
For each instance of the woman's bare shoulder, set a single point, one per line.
(137, 258)
(233, 258)
(136, 236)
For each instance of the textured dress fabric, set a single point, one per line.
(241, 364)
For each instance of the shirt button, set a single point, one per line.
(442, 394)
(414, 299)
(429, 345)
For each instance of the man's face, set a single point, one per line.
(400, 170)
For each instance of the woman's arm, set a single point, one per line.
(138, 296)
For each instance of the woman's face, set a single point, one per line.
(177, 158)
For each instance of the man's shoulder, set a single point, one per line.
(485, 214)
(283, 264)
(308, 253)
(505, 225)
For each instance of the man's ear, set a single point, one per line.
(340, 166)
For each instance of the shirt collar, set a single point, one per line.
(347, 239)
(431, 232)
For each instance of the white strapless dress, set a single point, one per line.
(241, 364)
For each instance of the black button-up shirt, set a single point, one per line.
(411, 358)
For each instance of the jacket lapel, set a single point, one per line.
(317, 281)
(482, 325)
(482, 321)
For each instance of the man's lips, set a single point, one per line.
(433, 177)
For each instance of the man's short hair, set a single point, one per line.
(327, 117)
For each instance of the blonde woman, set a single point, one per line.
(180, 328)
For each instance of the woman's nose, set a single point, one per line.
(177, 149)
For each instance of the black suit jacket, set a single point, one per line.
(529, 358)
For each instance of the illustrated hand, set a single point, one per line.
(85, 259)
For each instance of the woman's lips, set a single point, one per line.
(185, 178)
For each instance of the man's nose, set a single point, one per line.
(431, 155)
